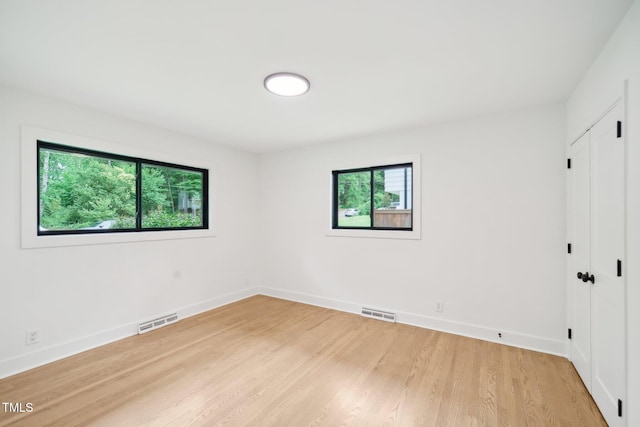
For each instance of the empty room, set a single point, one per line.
(334, 213)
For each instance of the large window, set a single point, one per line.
(374, 198)
(84, 191)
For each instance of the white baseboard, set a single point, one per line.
(511, 338)
(50, 354)
(41, 357)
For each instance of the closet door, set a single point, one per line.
(580, 258)
(607, 253)
(596, 283)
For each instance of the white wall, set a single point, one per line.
(600, 87)
(84, 296)
(493, 227)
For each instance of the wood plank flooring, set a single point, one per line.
(269, 362)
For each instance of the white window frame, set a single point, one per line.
(414, 234)
(29, 184)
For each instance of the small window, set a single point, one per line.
(84, 191)
(374, 198)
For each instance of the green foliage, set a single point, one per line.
(84, 190)
(382, 199)
(125, 223)
(355, 221)
(164, 220)
(78, 191)
(169, 189)
(354, 191)
(154, 194)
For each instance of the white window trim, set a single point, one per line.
(29, 182)
(415, 233)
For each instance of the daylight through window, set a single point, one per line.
(84, 191)
(376, 198)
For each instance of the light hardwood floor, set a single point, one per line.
(269, 362)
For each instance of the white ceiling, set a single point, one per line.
(197, 66)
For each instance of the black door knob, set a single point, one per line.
(588, 278)
(579, 275)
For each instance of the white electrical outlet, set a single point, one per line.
(33, 336)
(439, 306)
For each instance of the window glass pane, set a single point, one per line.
(392, 197)
(85, 192)
(354, 199)
(171, 197)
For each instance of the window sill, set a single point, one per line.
(36, 241)
(375, 234)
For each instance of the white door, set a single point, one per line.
(607, 253)
(580, 258)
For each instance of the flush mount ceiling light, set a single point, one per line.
(286, 84)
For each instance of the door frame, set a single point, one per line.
(621, 99)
